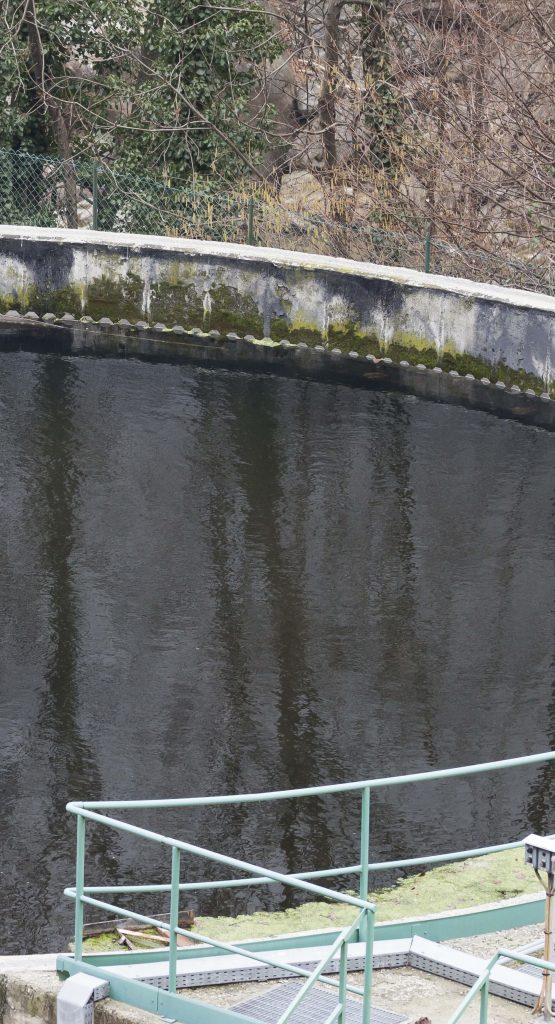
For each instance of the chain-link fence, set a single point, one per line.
(48, 192)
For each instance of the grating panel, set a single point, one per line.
(314, 1009)
(536, 972)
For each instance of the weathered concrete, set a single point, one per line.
(274, 293)
(359, 309)
(29, 997)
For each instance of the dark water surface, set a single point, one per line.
(217, 582)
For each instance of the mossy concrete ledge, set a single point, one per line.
(461, 329)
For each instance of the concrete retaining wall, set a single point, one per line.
(470, 331)
(29, 987)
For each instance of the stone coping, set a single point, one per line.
(285, 258)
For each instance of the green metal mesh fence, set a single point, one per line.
(48, 192)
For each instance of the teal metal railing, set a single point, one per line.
(481, 985)
(362, 928)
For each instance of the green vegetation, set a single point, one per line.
(474, 882)
(149, 89)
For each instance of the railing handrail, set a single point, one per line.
(363, 925)
(484, 978)
(349, 869)
(228, 947)
(222, 858)
(75, 806)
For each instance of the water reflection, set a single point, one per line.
(219, 582)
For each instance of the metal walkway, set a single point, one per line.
(519, 985)
(160, 982)
(316, 1008)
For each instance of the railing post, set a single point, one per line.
(484, 994)
(364, 850)
(368, 969)
(250, 221)
(79, 885)
(174, 918)
(343, 959)
(95, 197)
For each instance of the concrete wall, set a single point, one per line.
(29, 986)
(473, 330)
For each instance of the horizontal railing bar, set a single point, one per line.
(221, 858)
(351, 869)
(502, 954)
(289, 794)
(437, 858)
(382, 865)
(222, 883)
(523, 958)
(198, 938)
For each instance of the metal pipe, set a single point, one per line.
(428, 249)
(364, 843)
(289, 794)
(221, 858)
(368, 971)
(250, 221)
(351, 869)
(95, 197)
(342, 1016)
(222, 883)
(315, 974)
(79, 885)
(174, 918)
(217, 943)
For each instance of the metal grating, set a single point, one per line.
(536, 972)
(314, 1009)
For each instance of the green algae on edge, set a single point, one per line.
(468, 883)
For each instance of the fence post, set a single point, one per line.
(250, 222)
(174, 918)
(95, 197)
(428, 249)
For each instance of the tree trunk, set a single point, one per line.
(55, 113)
(329, 84)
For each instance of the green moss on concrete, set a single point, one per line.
(114, 297)
(413, 348)
(232, 311)
(60, 300)
(469, 883)
(31, 997)
(354, 340)
(108, 942)
(299, 331)
(280, 328)
(175, 302)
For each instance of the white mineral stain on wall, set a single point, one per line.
(316, 292)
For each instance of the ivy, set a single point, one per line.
(161, 88)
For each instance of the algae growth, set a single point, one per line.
(469, 883)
